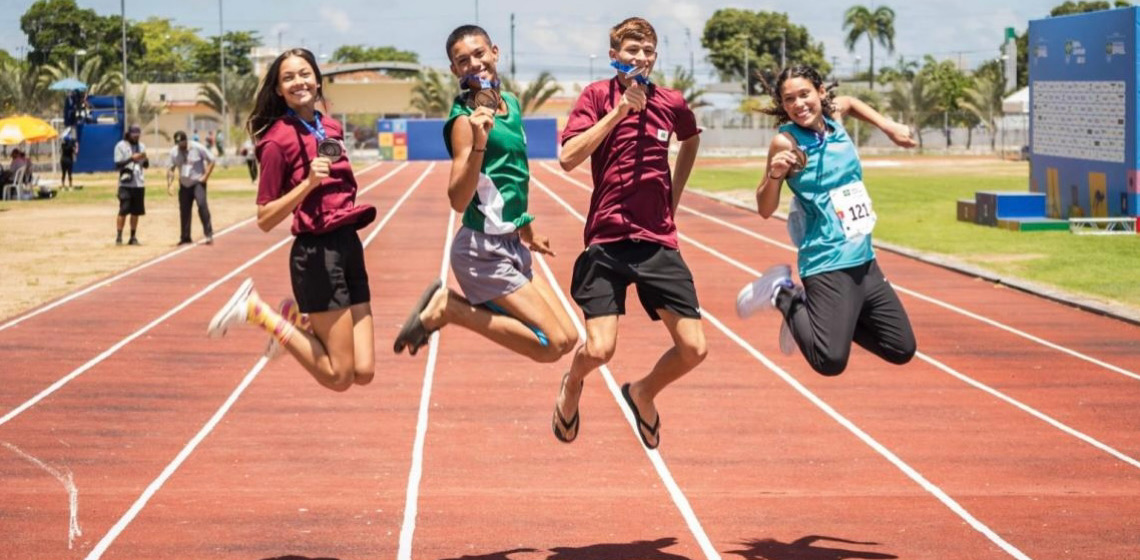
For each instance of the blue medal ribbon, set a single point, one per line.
(631, 71)
(317, 131)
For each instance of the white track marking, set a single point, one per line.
(944, 305)
(103, 283)
(843, 421)
(67, 479)
(415, 472)
(157, 484)
(162, 318)
(654, 455)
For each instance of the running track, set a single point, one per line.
(125, 433)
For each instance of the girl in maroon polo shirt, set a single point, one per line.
(318, 189)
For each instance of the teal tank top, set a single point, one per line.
(837, 213)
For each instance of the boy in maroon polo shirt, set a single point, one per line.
(624, 127)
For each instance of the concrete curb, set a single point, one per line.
(1083, 303)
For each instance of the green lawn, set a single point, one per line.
(916, 205)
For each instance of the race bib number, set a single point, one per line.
(853, 207)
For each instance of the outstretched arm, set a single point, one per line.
(897, 132)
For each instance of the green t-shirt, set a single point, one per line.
(500, 201)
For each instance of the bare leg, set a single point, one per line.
(688, 351)
(601, 342)
(338, 352)
(533, 304)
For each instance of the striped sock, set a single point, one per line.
(262, 315)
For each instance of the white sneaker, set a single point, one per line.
(787, 341)
(760, 294)
(233, 312)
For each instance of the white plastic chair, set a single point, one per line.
(14, 185)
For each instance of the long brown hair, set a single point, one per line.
(268, 105)
(777, 91)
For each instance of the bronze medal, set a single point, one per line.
(330, 148)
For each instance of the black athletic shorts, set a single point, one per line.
(328, 271)
(603, 273)
(132, 201)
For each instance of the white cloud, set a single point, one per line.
(337, 18)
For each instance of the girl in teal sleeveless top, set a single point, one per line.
(501, 298)
(844, 298)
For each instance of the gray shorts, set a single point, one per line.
(489, 267)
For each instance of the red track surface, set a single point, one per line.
(990, 444)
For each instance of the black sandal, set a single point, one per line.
(559, 422)
(413, 335)
(653, 430)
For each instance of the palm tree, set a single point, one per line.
(684, 82)
(22, 88)
(984, 101)
(143, 112)
(91, 73)
(878, 26)
(433, 93)
(536, 93)
(241, 89)
(915, 102)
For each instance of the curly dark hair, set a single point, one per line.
(797, 71)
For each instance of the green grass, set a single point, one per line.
(916, 205)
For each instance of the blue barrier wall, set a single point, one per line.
(97, 139)
(1083, 120)
(424, 138)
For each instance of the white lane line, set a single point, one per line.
(162, 318)
(415, 472)
(106, 282)
(843, 421)
(157, 483)
(969, 380)
(675, 492)
(944, 305)
(167, 472)
(870, 441)
(67, 479)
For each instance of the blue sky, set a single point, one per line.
(560, 36)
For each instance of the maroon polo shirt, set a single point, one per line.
(284, 153)
(633, 186)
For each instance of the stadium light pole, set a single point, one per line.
(75, 62)
(592, 57)
(123, 19)
(222, 70)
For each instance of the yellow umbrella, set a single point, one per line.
(23, 128)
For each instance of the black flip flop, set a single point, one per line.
(559, 421)
(653, 430)
(413, 335)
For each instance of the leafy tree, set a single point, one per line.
(241, 90)
(878, 26)
(902, 70)
(22, 88)
(361, 53)
(915, 102)
(684, 82)
(56, 29)
(730, 32)
(170, 51)
(983, 99)
(91, 73)
(536, 94)
(207, 56)
(947, 84)
(434, 92)
(143, 112)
